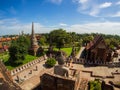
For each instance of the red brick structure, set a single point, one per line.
(97, 50)
(6, 82)
(56, 82)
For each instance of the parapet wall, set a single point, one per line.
(27, 65)
(108, 64)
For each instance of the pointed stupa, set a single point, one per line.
(34, 43)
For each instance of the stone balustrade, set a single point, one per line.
(27, 65)
(110, 64)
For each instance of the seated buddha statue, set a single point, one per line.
(61, 69)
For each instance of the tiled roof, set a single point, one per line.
(95, 42)
(7, 39)
(1, 45)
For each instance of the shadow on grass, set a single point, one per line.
(12, 64)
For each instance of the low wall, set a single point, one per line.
(27, 65)
(109, 64)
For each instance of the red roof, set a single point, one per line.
(7, 39)
(1, 45)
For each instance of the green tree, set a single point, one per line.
(59, 38)
(87, 39)
(42, 40)
(18, 49)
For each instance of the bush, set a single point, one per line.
(50, 62)
(95, 85)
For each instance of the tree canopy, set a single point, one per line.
(59, 38)
(18, 49)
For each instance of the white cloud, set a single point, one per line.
(13, 26)
(83, 4)
(56, 1)
(118, 3)
(100, 27)
(93, 8)
(63, 24)
(11, 21)
(82, 1)
(116, 14)
(105, 5)
(94, 11)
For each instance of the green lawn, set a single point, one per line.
(5, 58)
(29, 58)
(67, 50)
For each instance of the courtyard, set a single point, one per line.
(31, 80)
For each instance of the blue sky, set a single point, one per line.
(81, 16)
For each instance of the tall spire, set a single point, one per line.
(33, 29)
(34, 44)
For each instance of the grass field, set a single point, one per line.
(5, 58)
(67, 50)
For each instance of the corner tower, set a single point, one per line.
(34, 44)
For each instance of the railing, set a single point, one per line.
(109, 64)
(27, 65)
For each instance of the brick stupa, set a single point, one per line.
(34, 44)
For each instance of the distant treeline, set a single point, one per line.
(61, 38)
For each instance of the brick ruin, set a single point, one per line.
(50, 81)
(6, 82)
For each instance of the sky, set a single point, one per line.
(80, 16)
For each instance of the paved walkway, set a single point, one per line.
(79, 53)
(29, 80)
(98, 71)
(34, 80)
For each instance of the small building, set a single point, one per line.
(97, 50)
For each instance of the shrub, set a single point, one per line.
(50, 62)
(95, 85)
